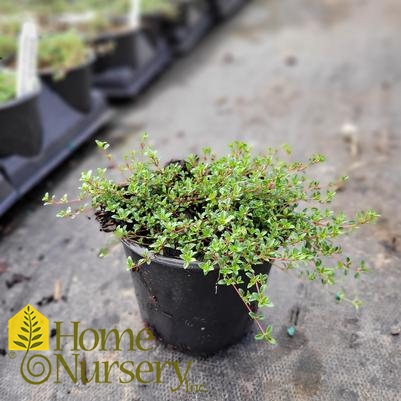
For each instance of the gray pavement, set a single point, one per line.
(282, 71)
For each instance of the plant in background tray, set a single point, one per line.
(61, 52)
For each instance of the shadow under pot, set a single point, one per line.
(74, 87)
(21, 126)
(182, 307)
(117, 49)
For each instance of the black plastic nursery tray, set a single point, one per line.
(8, 195)
(64, 129)
(126, 81)
(226, 8)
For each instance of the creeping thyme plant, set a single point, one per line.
(229, 213)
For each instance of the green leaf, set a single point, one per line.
(36, 344)
(102, 145)
(130, 263)
(20, 344)
(35, 330)
(259, 336)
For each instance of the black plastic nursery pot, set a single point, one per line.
(193, 22)
(128, 61)
(115, 49)
(186, 309)
(75, 87)
(21, 126)
(226, 8)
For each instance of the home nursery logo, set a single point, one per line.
(28, 331)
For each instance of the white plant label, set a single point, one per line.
(135, 13)
(27, 80)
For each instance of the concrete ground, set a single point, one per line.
(282, 71)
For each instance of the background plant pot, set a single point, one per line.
(74, 87)
(184, 309)
(21, 127)
(185, 31)
(226, 8)
(116, 49)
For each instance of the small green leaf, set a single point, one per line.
(130, 263)
(101, 144)
(36, 344)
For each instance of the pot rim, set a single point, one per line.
(112, 35)
(171, 262)
(23, 99)
(89, 60)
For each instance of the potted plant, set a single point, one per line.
(21, 128)
(65, 66)
(128, 56)
(201, 235)
(117, 43)
(184, 23)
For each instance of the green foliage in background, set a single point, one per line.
(8, 48)
(7, 85)
(62, 51)
(229, 213)
(168, 8)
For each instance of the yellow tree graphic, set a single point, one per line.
(30, 327)
(29, 330)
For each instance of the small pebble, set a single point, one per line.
(291, 331)
(290, 60)
(395, 330)
(349, 130)
(228, 58)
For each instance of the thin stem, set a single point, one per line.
(248, 307)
